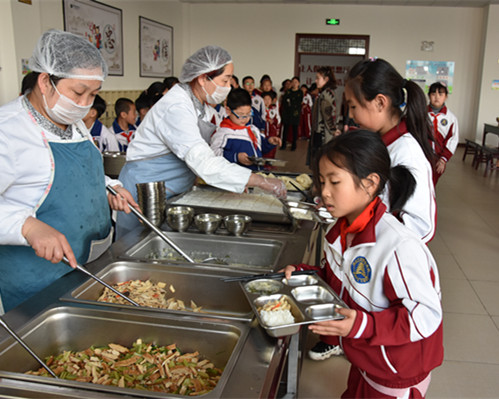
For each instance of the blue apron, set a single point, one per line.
(168, 168)
(76, 206)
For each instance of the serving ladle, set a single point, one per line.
(25, 346)
(100, 281)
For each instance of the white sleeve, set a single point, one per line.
(13, 213)
(454, 140)
(217, 142)
(216, 171)
(108, 140)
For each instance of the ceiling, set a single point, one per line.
(432, 3)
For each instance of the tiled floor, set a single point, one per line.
(466, 248)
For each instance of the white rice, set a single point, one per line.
(276, 317)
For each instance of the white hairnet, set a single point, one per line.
(67, 55)
(206, 59)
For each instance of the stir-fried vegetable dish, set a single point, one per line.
(143, 366)
(147, 293)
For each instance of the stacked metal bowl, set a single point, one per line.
(152, 200)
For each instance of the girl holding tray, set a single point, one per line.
(392, 331)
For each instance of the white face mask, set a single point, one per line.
(219, 95)
(65, 111)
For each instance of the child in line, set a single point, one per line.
(272, 119)
(124, 124)
(306, 113)
(258, 107)
(291, 112)
(236, 141)
(392, 329)
(381, 100)
(445, 127)
(103, 138)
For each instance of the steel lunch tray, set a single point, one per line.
(311, 300)
(307, 211)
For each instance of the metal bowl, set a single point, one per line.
(207, 222)
(237, 224)
(179, 218)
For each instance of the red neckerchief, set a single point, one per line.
(231, 125)
(434, 115)
(394, 133)
(127, 134)
(359, 224)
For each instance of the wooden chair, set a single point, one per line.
(471, 148)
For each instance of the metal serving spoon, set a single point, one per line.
(100, 281)
(25, 346)
(163, 236)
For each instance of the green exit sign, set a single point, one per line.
(332, 21)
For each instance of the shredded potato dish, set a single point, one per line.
(147, 293)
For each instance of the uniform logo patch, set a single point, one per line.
(444, 122)
(361, 270)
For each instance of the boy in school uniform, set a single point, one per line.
(236, 141)
(124, 124)
(445, 127)
(103, 138)
(257, 105)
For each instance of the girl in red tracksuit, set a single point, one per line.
(392, 330)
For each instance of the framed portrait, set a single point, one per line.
(156, 49)
(102, 25)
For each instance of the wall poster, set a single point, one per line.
(102, 25)
(156, 49)
(425, 73)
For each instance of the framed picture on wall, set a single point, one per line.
(102, 25)
(156, 49)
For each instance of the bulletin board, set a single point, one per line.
(425, 73)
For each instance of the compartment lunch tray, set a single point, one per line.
(307, 211)
(311, 300)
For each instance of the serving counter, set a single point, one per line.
(65, 315)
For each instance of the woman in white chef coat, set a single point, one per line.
(172, 143)
(53, 200)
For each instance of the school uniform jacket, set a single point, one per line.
(420, 211)
(445, 132)
(391, 279)
(229, 143)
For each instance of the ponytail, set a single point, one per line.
(417, 120)
(402, 186)
(368, 78)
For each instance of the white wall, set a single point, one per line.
(261, 39)
(31, 20)
(8, 68)
(488, 100)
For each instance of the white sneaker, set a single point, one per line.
(323, 351)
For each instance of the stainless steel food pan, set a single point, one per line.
(239, 252)
(78, 328)
(204, 287)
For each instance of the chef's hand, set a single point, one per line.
(336, 327)
(47, 242)
(275, 186)
(120, 202)
(274, 140)
(243, 159)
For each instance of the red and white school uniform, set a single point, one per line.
(306, 117)
(420, 210)
(382, 270)
(272, 126)
(445, 132)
